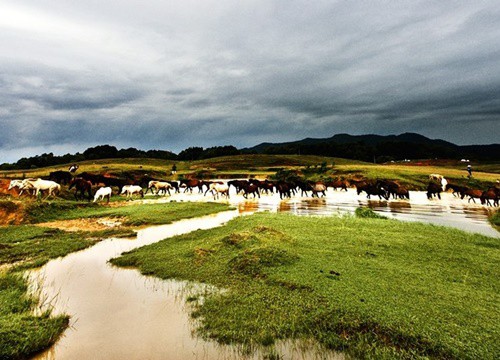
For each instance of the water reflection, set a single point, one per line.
(449, 211)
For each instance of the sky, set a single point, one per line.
(168, 75)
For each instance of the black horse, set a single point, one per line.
(61, 177)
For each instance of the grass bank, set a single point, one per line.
(27, 246)
(373, 288)
(134, 215)
(495, 219)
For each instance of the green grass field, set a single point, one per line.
(410, 174)
(372, 288)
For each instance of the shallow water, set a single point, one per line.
(117, 313)
(449, 211)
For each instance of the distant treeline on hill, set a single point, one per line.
(380, 149)
(363, 147)
(111, 152)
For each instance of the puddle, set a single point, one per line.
(117, 313)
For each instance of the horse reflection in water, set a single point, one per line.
(400, 206)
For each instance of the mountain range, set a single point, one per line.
(382, 147)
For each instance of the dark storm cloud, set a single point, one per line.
(175, 74)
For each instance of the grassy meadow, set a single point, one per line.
(414, 174)
(372, 288)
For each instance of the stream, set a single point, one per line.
(118, 313)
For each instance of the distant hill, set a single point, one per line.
(379, 148)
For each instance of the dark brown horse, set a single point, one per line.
(390, 186)
(457, 189)
(371, 188)
(472, 194)
(403, 193)
(284, 189)
(267, 186)
(250, 189)
(434, 189)
(81, 186)
(237, 184)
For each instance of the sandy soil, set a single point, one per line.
(84, 224)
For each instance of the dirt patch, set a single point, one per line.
(84, 224)
(11, 213)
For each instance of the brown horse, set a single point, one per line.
(81, 186)
(492, 193)
(318, 188)
(189, 184)
(335, 184)
(403, 193)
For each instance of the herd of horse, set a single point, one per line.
(382, 188)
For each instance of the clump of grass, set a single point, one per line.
(495, 218)
(365, 212)
(253, 261)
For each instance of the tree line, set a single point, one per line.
(380, 152)
(111, 152)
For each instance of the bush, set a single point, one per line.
(364, 212)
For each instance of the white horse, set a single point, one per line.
(14, 183)
(217, 188)
(102, 193)
(19, 185)
(51, 187)
(160, 185)
(130, 190)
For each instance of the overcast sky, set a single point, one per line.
(167, 75)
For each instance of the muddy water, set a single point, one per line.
(119, 314)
